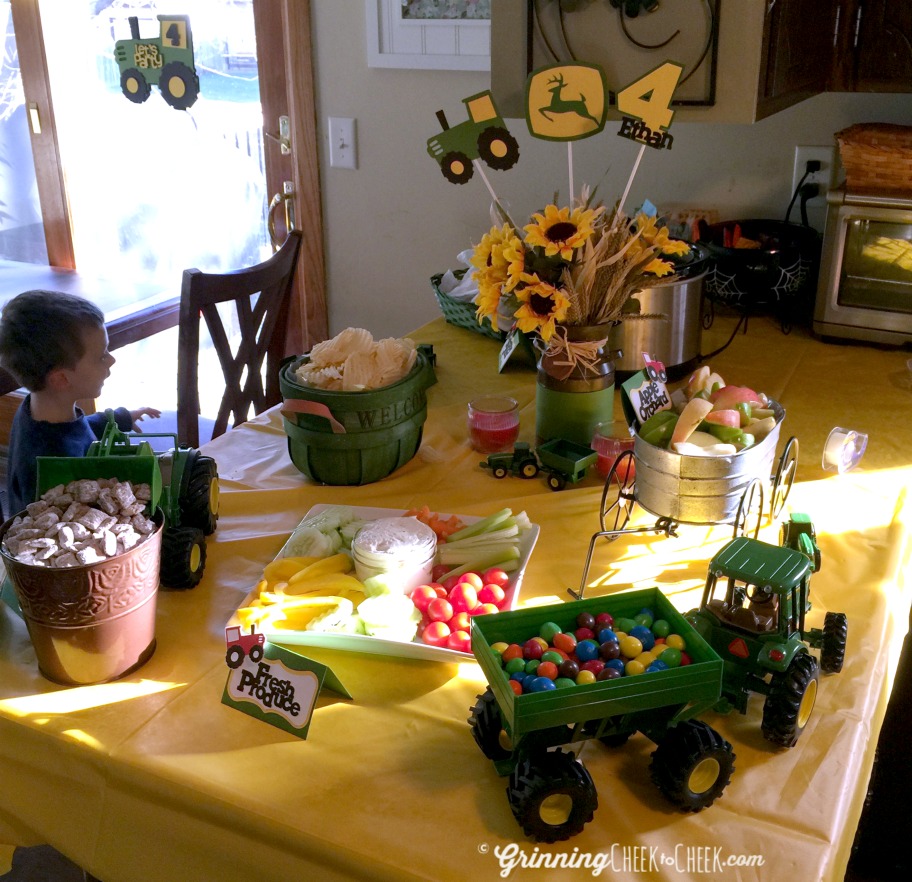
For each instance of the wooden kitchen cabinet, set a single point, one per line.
(797, 54)
(874, 47)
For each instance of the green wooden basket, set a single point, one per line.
(460, 313)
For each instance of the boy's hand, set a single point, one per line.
(137, 415)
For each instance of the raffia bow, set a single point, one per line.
(566, 355)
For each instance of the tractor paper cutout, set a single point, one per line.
(483, 135)
(165, 61)
(566, 102)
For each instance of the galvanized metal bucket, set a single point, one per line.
(702, 489)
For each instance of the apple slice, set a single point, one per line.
(725, 418)
(691, 417)
(696, 382)
(728, 397)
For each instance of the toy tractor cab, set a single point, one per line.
(183, 484)
(753, 614)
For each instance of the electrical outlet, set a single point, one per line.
(343, 152)
(826, 156)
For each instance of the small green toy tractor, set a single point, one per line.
(165, 61)
(484, 134)
(183, 484)
(753, 615)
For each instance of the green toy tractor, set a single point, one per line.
(165, 61)
(183, 484)
(753, 614)
(484, 134)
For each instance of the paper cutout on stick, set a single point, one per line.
(484, 135)
(274, 684)
(165, 60)
(566, 102)
(646, 106)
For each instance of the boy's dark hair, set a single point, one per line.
(41, 331)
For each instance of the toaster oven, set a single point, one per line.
(864, 289)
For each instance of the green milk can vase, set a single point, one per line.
(575, 384)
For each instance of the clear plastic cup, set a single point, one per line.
(843, 449)
(609, 441)
(493, 423)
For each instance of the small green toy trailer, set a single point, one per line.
(753, 614)
(564, 461)
(551, 794)
(183, 483)
(165, 61)
(484, 134)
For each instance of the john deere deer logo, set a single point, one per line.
(566, 102)
(561, 105)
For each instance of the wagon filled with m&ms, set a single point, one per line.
(539, 699)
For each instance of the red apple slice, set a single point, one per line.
(725, 418)
(728, 397)
(691, 417)
(696, 382)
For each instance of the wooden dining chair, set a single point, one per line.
(260, 295)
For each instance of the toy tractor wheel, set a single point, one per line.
(618, 497)
(183, 557)
(179, 85)
(487, 727)
(529, 469)
(498, 148)
(790, 703)
(556, 482)
(835, 632)
(234, 657)
(784, 477)
(750, 511)
(552, 796)
(457, 168)
(499, 472)
(256, 653)
(134, 85)
(200, 504)
(692, 765)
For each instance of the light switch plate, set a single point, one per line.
(343, 151)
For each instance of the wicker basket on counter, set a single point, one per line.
(460, 312)
(876, 156)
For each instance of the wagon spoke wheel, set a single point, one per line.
(618, 496)
(750, 511)
(784, 477)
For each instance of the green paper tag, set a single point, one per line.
(641, 397)
(517, 346)
(280, 689)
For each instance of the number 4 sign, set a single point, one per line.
(646, 105)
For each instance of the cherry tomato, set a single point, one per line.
(459, 622)
(473, 579)
(463, 597)
(440, 610)
(439, 570)
(491, 592)
(483, 609)
(436, 634)
(460, 641)
(422, 596)
(496, 576)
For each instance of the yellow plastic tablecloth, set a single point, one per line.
(152, 777)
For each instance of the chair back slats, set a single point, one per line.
(259, 296)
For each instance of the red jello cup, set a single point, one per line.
(610, 440)
(493, 423)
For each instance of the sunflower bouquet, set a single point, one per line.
(575, 265)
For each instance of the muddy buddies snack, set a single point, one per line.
(83, 522)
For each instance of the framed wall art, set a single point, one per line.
(429, 34)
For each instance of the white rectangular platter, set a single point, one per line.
(376, 645)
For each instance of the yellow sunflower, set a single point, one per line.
(659, 237)
(515, 256)
(542, 306)
(488, 253)
(488, 298)
(560, 230)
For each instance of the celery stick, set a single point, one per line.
(485, 524)
(510, 532)
(503, 550)
(508, 566)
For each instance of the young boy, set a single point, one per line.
(56, 346)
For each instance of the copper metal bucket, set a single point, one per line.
(93, 623)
